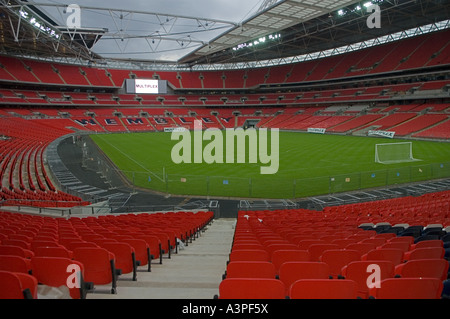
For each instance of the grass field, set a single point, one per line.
(309, 164)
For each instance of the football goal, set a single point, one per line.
(392, 153)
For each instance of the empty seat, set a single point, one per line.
(17, 286)
(37, 244)
(56, 272)
(428, 244)
(316, 250)
(15, 264)
(249, 255)
(425, 253)
(99, 266)
(403, 246)
(339, 258)
(125, 257)
(407, 239)
(279, 257)
(142, 252)
(290, 272)
(363, 248)
(274, 247)
(361, 272)
(408, 288)
(53, 252)
(154, 244)
(430, 268)
(250, 269)
(15, 251)
(323, 289)
(251, 288)
(389, 254)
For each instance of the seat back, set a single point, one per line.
(429, 244)
(290, 272)
(281, 256)
(274, 247)
(316, 250)
(425, 268)
(141, 250)
(249, 255)
(251, 288)
(408, 288)
(125, 258)
(361, 272)
(250, 269)
(29, 283)
(52, 252)
(57, 272)
(390, 254)
(363, 248)
(425, 253)
(14, 264)
(323, 289)
(97, 264)
(403, 246)
(11, 287)
(339, 258)
(15, 251)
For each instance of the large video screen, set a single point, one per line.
(143, 86)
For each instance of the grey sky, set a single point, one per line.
(140, 36)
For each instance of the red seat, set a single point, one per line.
(316, 250)
(17, 286)
(426, 268)
(56, 272)
(99, 266)
(53, 252)
(154, 244)
(428, 244)
(408, 288)
(15, 251)
(306, 243)
(290, 272)
(125, 257)
(389, 254)
(249, 255)
(142, 252)
(15, 264)
(281, 246)
(323, 289)
(425, 253)
(363, 248)
(250, 269)
(251, 288)
(360, 272)
(16, 242)
(29, 282)
(403, 246)
(337, 259)
(407, 239)
(281, 256)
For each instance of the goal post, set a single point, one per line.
(392, 153)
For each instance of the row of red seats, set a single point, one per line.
(103, 248)
(23, 177)
(21, 97)
(417, 52)
(331, 249)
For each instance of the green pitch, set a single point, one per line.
(309, 165)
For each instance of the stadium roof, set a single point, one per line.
(209, 32)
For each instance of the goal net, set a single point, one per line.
(392, 153)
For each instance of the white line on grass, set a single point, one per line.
(132, 159)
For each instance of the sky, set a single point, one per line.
(139, 36)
